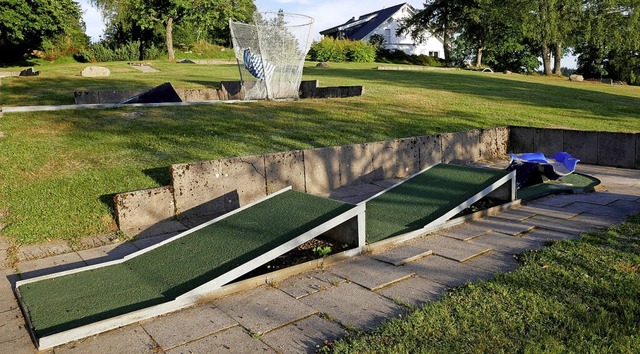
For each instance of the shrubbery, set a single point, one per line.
(339, 50)
(400, 57)
(129, 51)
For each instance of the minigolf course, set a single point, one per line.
(184, 269)
(176, 273)
(431, 197)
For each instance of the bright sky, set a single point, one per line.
(326, 13)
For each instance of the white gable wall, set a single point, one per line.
(388, 30)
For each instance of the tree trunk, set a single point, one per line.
(546, 59)
(479, 57)
(169, 42)
(557, 57)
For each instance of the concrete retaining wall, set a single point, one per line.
(203, 190)
(598, 148)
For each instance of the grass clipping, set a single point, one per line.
(575, 296)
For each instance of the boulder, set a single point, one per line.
(576, 77)
(323, 64)
(29, 72)
(95, 71)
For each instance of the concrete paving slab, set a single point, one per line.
(354, 306)
(233, 340)
(452, 248)
(503, 226)
(181, 327)
(514, 215)
(465, 232)
(546, 235)
(600, 220)
(7, 298)
(130, 339)
(356, 192)
(305, 284)
(37, 251)
(50, 265)
(415, 291)
(22, 345)
(507, 244)
(540, 209)
(556, 201)
(580, 208)
(369, 272)
(12, 326)
(263, 309)
(304, 336)
(150, 241)
(107, 253)
(599, 198)
(495, 262)
(405, 253)
(625, 207)
(446, 271)
(568, 226)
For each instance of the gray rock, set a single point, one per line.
(323, 64)
(576, 77)
(29, 72)
(95, 71)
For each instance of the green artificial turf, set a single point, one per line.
(573, 183)
(424, 198)
(160, 275)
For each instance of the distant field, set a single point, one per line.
(61, 169)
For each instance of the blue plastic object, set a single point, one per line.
(560, 165)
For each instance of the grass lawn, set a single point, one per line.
(61, 169)
(573, 297)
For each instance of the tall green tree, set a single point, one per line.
(26, 25)
(211, 15)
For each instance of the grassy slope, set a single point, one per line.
(60, 169)
(575, 297)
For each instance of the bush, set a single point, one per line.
(400, 57)
(340, 50)
(100, 52)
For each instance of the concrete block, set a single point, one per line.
(415, 291)
(232, 90)
(263, 309)
(396, 158)
(582, 145)
(285, 169)
(617, 149)
(233, 340)
(461, 146)
(493, 142)
(430, 148)
(308, 88)
(86, 97)
(181, 327)
(322, 170)
(309, 283)
(144, 209)
(304, 336)
(198, 95)
(521, 140)
(352, 305)
(548, 141)
(246, 176)
(637, 166)
(356, 164)
(369, 272)
(117, 96)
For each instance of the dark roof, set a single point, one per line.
(357, 31)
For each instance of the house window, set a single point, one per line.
(434, 54)
(387, 35)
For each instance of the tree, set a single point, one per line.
(212, 15)
(26, 25)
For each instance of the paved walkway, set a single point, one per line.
(302, 312)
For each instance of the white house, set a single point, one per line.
(385, 22)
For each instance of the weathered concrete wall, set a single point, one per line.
(206, 189)
(601, 148)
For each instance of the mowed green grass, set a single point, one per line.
(573, 297)
(60, 170)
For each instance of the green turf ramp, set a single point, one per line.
(177, 270)
(430, 196)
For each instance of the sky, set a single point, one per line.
(326, 13)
